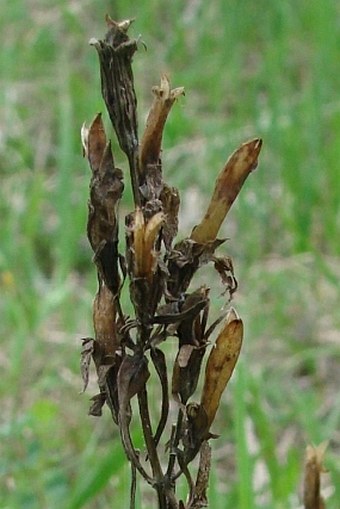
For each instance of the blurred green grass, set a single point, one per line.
(268, 69)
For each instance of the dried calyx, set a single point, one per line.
(160, 275)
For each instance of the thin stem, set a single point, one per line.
(130, 450)
(173, 445)
(185, 470)
(133, 486)
(148, 436)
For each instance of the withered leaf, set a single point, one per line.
(187, 314)
(85, 360)
(106, 259)
(110, 374)
(132, 375)
(213, 326)
(185, 259)
(221, 363)
(186, 371)
(190, 329)
(159, 362)
(102, 372)
(228, 185)
(224, 266)
(97, 405)
(106, 189)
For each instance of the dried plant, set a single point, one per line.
(314, 459)
(159, 274)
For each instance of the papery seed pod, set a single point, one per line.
(228, 185)
(221, 364)
(115, 56)
(164, 98)
(313, 469)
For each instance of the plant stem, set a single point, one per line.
(148, 436)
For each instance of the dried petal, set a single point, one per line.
(151, 233)
(97, 405)
(145, 235)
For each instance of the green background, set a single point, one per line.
(264, 68)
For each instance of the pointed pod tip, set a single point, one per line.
(93, 42)
(125, 24)
(258, 145)
(232, 315)
(317, 453)
(121, 25)
(255, 144)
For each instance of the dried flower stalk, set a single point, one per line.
(312, 480)
(159, 274)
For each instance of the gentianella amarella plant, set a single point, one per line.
(159, 271)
